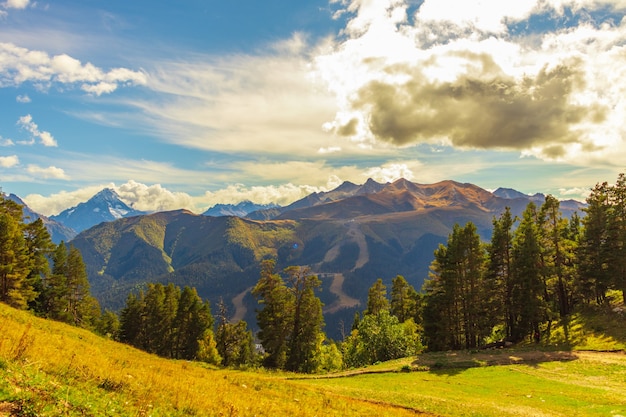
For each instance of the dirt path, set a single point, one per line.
(343, 300)
(240, 307)
(355, 233)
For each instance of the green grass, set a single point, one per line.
(51, 369)
(543, 384)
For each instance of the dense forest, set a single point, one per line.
(535, 272)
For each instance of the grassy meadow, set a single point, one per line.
(51, 369)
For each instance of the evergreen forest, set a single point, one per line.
(534, 273)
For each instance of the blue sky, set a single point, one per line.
(193, 103)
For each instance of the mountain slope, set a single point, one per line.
(105, 206)
(240, 210)
(350, 237)
(58, 232)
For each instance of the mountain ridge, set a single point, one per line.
(104, 206)
(353, 233)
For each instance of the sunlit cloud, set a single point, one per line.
(46, 173)
(9, 161)
(456, 76)
(23, 99)
(267, 103)
(153, 197)
(20, 65)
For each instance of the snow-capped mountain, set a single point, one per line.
(240, 210)
(58, 231)
(105, 206)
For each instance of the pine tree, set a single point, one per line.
(377, 298)
(15, 264)
(616, 235)
(403, 299)
(594, 279)
(556, 252)
(39, 246)
(275, 320)
(307, 336)
(455, 311)
(235, 343)
(499, 281)
(528, 288)
(194, 327)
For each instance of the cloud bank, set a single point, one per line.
(466, 75)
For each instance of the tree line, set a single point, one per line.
(35, 274)
(532, 273)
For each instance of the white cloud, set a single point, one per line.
(390, 172)
(57, 202)
(283, 194)
(26, 123)
(23, 99)
(46, 173)
(6, 142)
(9, 161)
(20, 65)
(456, 76)
(153, 197)
(256, 103)
(16, 4)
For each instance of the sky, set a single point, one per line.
(191, 103)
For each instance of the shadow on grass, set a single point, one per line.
(453, 363)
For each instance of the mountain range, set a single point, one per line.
(105, 206)
(349, 236)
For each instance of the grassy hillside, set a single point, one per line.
(51, 369)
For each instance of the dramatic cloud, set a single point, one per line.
(20, 65)
(26, 123)
(268, 103)
(153, 197)
(50, 172)
(457, 74)
(9, 161)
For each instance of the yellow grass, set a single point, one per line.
(51, 369)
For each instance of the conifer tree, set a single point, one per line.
(594, 279)
(275, 320)
(499, 280)
(528, 287)
(235, 343)
(403, 299)
(377, 298)
(15, 264)
(307, 336)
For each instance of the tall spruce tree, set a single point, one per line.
(403, 299)
(275, 319)
(528, 287)
(15, 264)
(377, 298)
(307, 335)
(455, 311)
(594, 279)
(499, 281)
